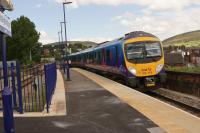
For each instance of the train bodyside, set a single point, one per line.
(107, 57)
(112, 57)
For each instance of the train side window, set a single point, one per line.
(116, 55)
(86, 57)
(99, 57)
(93, 57)
(90, 57)
(108, 57)
(102, 56)
(96, 57)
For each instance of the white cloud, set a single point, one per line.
(163, 25)
(163, 18)
(46, 38)
(148, 4)
(166, 4)
(38, 5)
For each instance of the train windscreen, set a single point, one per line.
(143, 50)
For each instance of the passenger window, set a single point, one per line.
(116, 56)
(102, 55)
(108, 57)
(99, 58)
(96, 58)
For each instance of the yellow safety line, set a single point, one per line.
(171, 119)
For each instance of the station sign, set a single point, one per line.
(5, 24)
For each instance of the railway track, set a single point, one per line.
(190, 109)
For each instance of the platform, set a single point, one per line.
(169, 118)
(99, 105)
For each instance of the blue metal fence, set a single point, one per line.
(50, 80)
(32, 87)
(14, 85)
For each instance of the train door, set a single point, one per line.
(112, 56)
(108, 60)
(116, 56)
(98, 57)
(103, 53)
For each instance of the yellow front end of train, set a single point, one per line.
(144, 59)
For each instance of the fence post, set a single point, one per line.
(46, 67)
(6, 95)
(39, 87)
(13, 85)
(19, 86)
(50, 82)
(8, 111)
(64, 67)
(68, 72)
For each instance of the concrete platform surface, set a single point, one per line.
(90, 109)
(171, 119)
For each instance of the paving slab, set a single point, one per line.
(90, 109)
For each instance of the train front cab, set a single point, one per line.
(144, 59)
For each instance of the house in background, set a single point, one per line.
(182, 56)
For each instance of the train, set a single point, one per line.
(137, 57)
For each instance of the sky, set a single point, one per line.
(104, 20)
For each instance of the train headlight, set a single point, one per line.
(159, 68)
(132, 70)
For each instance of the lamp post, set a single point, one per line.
(59, 37)
(61, 31)
(66, 3)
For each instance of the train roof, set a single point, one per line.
(136, 34)
(83, 51)
(110, 43)
(127, 36)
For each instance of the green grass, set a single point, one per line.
(186, 44)
(184, 69)
(183, 38)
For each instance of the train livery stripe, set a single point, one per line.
(141, 39)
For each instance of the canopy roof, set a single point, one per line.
(6, 4)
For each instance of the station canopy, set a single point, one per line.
(7, 4)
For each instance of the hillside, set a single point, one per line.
(85, 43)
(189, 39)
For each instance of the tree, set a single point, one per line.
(77, 47)
(57, 54)
(24, 41)
(37, 52)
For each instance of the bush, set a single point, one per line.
(184, 69)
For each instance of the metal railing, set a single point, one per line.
(50, 80)
(14, 85)
(32, 87)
